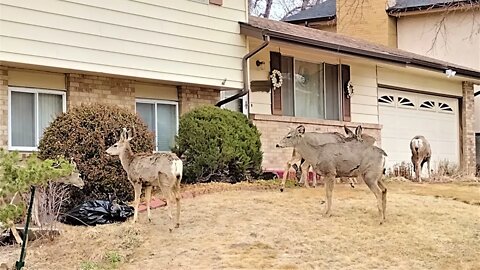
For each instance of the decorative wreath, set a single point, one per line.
(349, 89)
(276, 78)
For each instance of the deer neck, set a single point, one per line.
(126, 157)
(307, 150)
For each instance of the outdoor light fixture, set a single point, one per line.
(450, 73)
(259, 63)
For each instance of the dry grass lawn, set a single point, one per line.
(429, 226)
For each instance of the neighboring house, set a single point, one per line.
(397, 94)
(159, 58)
(443, 29)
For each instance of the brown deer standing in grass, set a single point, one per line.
(316, 139)
(421, 153)
(150, 169)
(352, 158)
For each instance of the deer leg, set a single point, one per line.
(382, 186)
(285, 173)
(315, 175)
(148, 198)
(305, 170)
(428, 166)
(137, 188)
(177, 199)
(329, 184)
(371, 181)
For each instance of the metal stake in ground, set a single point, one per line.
(20, 263)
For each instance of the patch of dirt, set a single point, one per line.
(425, 229)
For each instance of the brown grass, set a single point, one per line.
(425, 229)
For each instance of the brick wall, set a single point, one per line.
(367, 20)
(468, 130)
(191, 97)
(3, 106)
(87, 89)
(273, 128)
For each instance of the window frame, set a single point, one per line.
(155, 102)
(324, 78)
(34, 91)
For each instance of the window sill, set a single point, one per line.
(22, 149)
(302, 120)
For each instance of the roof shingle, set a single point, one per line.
(321, 10)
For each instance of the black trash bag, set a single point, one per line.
(91, 213)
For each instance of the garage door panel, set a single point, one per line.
(401, 123)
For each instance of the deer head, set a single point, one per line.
(292, 138)
(122, 144)
(74, 178)
(354, 136)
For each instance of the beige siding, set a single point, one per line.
(171, 40)
(438, 84)
(458, 41)
(364, 100)
(156, 91)
(28, 78)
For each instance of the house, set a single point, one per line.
(396, 94)
(159, 58)
(445, 30)
(163, 58)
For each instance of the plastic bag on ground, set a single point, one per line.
(91, 213)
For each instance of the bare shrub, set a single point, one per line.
(50, 201)
(403, 169)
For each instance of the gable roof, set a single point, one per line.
(338, 43)
(321, 11)
(417, 5)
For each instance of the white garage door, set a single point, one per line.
(404, 115)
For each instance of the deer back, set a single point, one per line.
(147, 167)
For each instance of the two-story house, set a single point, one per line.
(163, 58)
(159, 58)
(445, 30)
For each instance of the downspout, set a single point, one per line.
(246, 84)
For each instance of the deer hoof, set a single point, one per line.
(177, 225)
(281, 189)
(170, 230)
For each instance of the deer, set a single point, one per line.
(303, 168)
(163, 170)
(72, 179)
(421, 153)
(351, 158)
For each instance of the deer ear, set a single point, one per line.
(301, 129)
(348, 131)
(358, 131)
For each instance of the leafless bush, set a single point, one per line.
(447, 168)
(403, 169)
(50, 200)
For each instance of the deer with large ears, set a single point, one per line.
(163, 170)
(421, 153)
(352, 158)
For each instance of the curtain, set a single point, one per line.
(23, 119)
(332, 92)
(147, 114)
(49, 107)
(287, 86)
(309, 95)
(166, 126)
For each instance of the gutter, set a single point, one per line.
(246, 84)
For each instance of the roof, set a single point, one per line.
(338, 43)
(321, 11)
(417, 5)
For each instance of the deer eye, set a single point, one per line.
(288, 137)
(115, 145)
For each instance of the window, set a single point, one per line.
(310, 90)
(162, 119)
(234, 105)
(30, 112)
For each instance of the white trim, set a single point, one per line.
(163, 102)
(34, 91)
